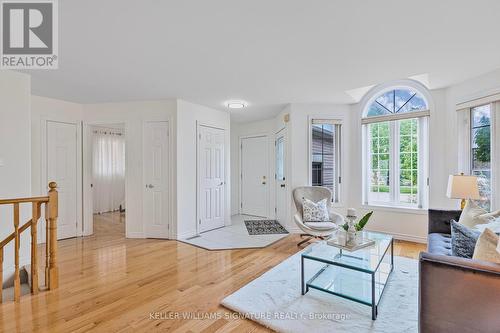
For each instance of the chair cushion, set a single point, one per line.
(439, 244)
(321, 225)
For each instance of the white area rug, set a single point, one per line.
(275, 301)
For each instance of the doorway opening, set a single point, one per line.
(107, 152)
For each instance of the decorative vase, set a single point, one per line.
(351, 238)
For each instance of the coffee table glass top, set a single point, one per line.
(366, 259)
(359, 276)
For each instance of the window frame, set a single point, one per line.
(337, 195)
(470, 148)
(394, 119)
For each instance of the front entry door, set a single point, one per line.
(156, 179)
(62, 147)
(281, 190)
(254, 176)
(211, 178)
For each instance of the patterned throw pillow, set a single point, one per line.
(463, 240)
(315, 212)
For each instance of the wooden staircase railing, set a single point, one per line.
(51, 212)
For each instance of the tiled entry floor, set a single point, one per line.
(234, 236)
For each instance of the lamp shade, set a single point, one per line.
(462, 187)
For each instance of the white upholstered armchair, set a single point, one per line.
(315, 229)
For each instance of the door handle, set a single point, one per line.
(150, 186)
(263, 183)
(221, 183)
(282, 185)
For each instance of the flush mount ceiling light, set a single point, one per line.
(236, 104)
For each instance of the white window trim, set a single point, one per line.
(424, 156)
(339, 148)
(396, 209)
(495, 155)
(423, 167)
(397, 116)
(464, 140)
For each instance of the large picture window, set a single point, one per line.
(325, 155)
(395, 137)
(481, 151)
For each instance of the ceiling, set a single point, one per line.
(268, 53)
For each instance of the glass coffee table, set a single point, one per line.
(359, 276)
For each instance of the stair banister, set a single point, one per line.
(51, 213)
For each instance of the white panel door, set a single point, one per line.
(211, 178)
(62, 168)
(156, 166)
(281, 190)
(254, 176)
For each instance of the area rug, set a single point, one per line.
(264, 227)
(275, 301)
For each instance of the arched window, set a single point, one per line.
(395, 131)
(397, 101)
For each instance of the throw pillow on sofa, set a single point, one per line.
(494, 226)
(463, 240)
(486, 247)
(473, 215)
(315, 211)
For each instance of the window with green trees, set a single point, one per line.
(481, 151)
(395, 160)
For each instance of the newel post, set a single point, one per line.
(53, 270)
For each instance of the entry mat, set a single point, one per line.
(264, 227)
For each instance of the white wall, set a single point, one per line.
(443, 158)
(299, 141)
(132, 114)
(188, 116)
(238, 130)
(15, 150)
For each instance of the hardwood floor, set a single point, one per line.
(112, 284)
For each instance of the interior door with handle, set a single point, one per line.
(211, 178)
(156, 179)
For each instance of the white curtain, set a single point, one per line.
(108, 169)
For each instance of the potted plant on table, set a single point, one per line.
(352, 229)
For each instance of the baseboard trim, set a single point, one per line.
(294, 230)
(404, 237)
(186, 235)
(132, 234)
(398, 236)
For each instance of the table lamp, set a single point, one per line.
(462, 187)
